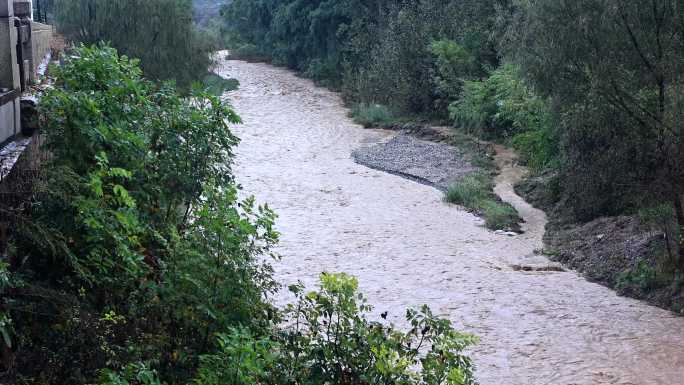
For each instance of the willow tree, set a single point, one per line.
(160, 33)
(616, 71)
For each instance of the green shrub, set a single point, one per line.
(247, 52)
(454, 65)
(136, 242)
(218, 85)
(324, 71)
(372, 115)
(159, 33)
(328, 340)
(470, 191)
(132, 374)
(641, 277)
(503, 106)
(474, 192)
(499, 215)
(241, 359)
(139, 265)
(538, 149)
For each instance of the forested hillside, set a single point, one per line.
(588, 92)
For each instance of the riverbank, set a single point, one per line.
(622, 253)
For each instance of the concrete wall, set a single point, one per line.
(34, 51)
(10, 122)
(9, 71)
(9, 119)
(41, 38)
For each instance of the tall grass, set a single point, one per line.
(469, 191)
(372, 115)
(474, 192)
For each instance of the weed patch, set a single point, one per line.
(372, 115)
(474, 192)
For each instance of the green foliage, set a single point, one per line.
(160, 33)
(499, 215)
(241, 359)
(6, 329)
(617, 97)
(538, 148)
(642, 277)
(328, 340)
(454, 64)
(504, 106)
(369, 47)
(217, 85)
(138, 244)
(132, 374)
(469, 191)
(474, 192)
(248, 52)
(476, 108)
(372, 115)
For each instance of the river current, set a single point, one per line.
(407, 248)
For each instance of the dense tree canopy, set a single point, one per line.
(615, 70)
(160, 33)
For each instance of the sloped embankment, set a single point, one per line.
(618, 252)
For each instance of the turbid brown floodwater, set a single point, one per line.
(408, 247)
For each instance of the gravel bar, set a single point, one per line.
(434, 164)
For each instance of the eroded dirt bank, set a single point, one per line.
(407, 248)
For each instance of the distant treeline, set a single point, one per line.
(208, 11)
(161, 33)
(591, 90)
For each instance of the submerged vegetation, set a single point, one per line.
(474, 192)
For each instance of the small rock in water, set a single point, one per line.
(508, 233)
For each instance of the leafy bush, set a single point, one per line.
(372, 115)
(217, 85)
(469, 191)
(474, 192)
(476, 108)
(503, 106)
(132, 374)
(247, 52)
(376, 51)
(538, 149)
(641, 277)
(328, 340)
(499, 215)
(454, 65)
(137, 248)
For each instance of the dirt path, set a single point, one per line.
(407, 248)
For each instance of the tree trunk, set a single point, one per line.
(679, 214)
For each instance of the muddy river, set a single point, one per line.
(408, 248)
